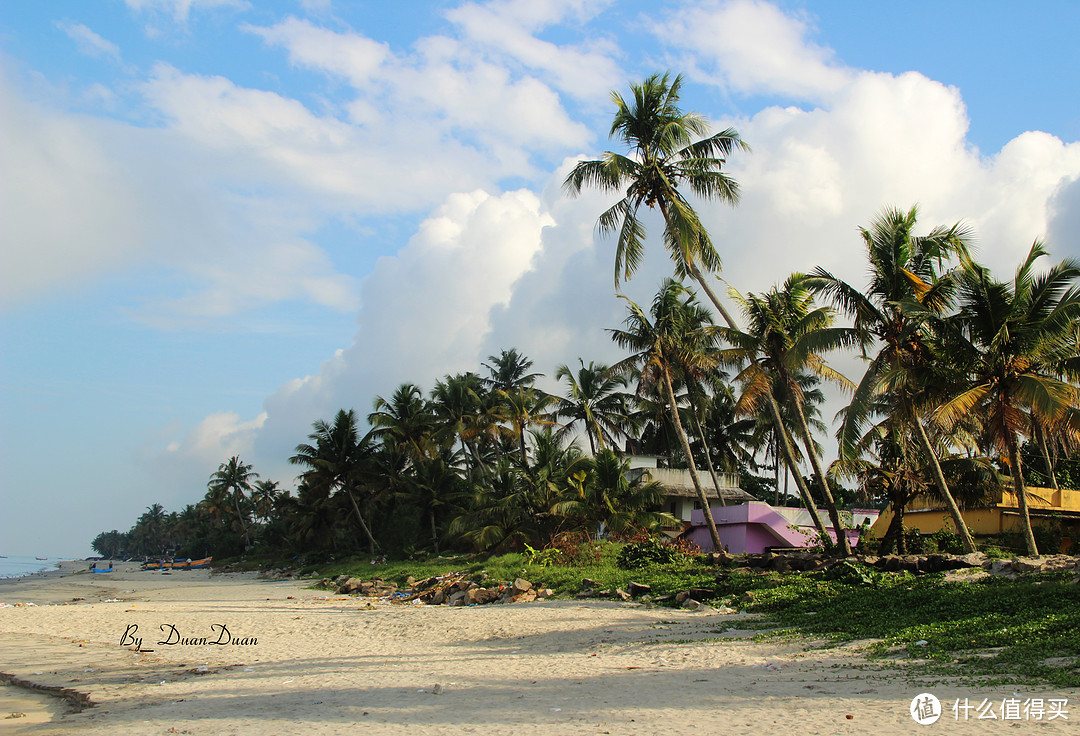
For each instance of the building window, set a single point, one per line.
(697, 505)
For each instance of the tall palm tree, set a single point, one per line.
(667, 148)
(595, 400)
(785, 336)
(905, 270)
(336, 463)
(665, 341)
(1015, 343)
(235, 477)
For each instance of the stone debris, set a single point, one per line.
(452, 589)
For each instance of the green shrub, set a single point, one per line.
(947, 542)
(647, 552)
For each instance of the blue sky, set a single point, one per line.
(222, 220)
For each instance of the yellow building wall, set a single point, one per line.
(994, 519)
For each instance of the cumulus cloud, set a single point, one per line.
(425, 312)
(444, 85)
(587, 70)
(753, 47)
(95, 197)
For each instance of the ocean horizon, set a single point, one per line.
(15, 566)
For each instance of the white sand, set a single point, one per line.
(328, 664)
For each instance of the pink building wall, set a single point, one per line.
(753, 527)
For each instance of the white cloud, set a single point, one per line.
(445, 85)
(752, 47)
(586, 71)
(93, 197)
(181, 10)
(90, 43)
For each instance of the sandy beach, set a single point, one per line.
(332, 663)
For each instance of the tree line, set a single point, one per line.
(970, 381)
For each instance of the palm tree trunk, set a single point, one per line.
(708, 455)
(943, 487)
(1021, 494)
(830, 503)
(895, 533)
(359, 517)
(1040, 436)
(240, 518)
(674, 408)
(434, 529)
(789, 457)
(700, 278)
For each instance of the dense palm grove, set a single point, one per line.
(970, 382)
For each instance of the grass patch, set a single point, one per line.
(989, 631)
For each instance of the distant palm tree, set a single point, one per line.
(1015, 341)
(785, 336)
(236, 477)
(265, 496)
(906, 270)
(605, 494)
(595, 400)
(667, 340)
(663, 154)
(336, 463)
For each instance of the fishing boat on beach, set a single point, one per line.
(178, 564)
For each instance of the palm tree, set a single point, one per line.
(336, 462)
(664, 342)
(265, 495)
(606, 495)
(663, 154)
(1015, 343)
(235, 477)
(786, 336)
(593, 399)
(405, 420)
(905, 271)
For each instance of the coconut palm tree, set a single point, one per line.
(1015, 342)
(595, 400)
(906, 270)
(786, 336)
(266, 495)
(606, 495)
(667, 148)
(235, 477)
(666, 341)
(336, 463)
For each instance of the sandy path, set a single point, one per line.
(333, 663)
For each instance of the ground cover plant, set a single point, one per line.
(992, 630)
(989, 630)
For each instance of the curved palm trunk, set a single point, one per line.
(240, 517)
(674, 408)
(708, 455)
(830, 503)
(1040, 436)
(943, 487)
(363, 525)
(789, 456)
(1021, 494)
(700, 278)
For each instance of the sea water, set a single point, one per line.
(14, 566)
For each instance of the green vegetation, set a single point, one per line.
(968, 378)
